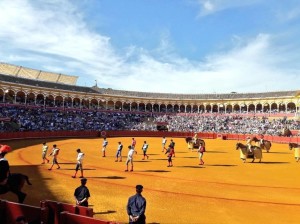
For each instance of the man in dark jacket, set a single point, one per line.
(136, 207)
(82, 194)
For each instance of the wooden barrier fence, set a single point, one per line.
(113, 134)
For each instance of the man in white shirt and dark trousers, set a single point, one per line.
(145, 148)
(105, 143)
(130, 158)
(80, 156)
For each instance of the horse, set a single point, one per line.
(194, 145)
(286, 132)
(15, 184)
(245, 153)
(265, 145)
(296, 147)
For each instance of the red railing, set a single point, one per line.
(111, 134)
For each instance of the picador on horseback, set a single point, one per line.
(11, 181)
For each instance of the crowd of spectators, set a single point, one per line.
(40, 119)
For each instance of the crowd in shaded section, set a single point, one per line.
(40, 119)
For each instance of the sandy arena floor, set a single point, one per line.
(224, 190)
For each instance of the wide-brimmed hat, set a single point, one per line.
(5, 148)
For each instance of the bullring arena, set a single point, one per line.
(223, 190)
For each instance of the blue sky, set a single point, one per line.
(168, 46)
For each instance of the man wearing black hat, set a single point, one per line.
(82, 194)
(136, 207)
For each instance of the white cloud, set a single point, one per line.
(208, 7)
(288, 14)
(56, 38)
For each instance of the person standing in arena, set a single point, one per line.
(82, 194)
(163, 143)
(130, 158)
(201, 151)
(136, 207)
(170, 152)
(172, 146)
(44, 153)
(119, 152)
(133, 143)
(80, 156)
(104, 144)
(145, 148)
(54, 153)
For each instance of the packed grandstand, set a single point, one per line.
(35, 100)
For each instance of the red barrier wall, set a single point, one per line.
(112, 134)
(10, 211)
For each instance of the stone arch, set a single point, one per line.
(170, 108)
(20, 97)
(94, 104)
(236, 108)
(229, 108)
(149, 107)
(259, 107)
(49, 100)
(208, 108)
(188, 108)
(118, 105)
(163, 108)
(291, 107)
(68, 102)
(176, 108)
(76, 102)
(31, 98)
(40, 99)
(215, 108)
(134, 106)
(59, 101)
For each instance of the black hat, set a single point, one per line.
(139, 187)
(83, 180)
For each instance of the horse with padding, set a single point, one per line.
(263, 144)
(246, 153)
(296, 147)
(194, 144)
(12, 182)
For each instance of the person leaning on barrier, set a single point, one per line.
(136, 207)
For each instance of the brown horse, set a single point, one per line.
(296, 147)
(245, 153)
(15, 184)
(196, 145)
(264, 145)
(286, 132)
